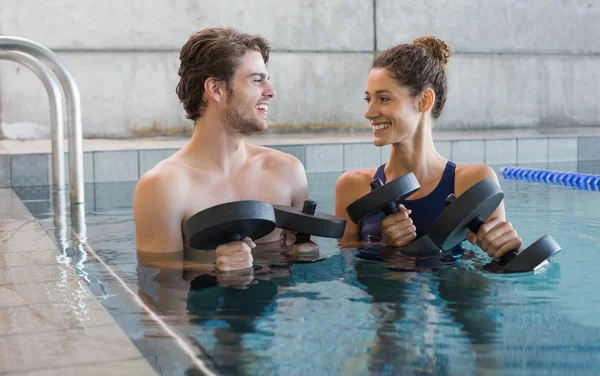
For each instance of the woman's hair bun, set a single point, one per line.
(436, 47)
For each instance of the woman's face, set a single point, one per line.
(394, 114)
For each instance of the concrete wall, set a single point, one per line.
(515, 64)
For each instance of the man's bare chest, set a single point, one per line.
(262, 188)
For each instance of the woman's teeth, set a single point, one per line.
(379, 127)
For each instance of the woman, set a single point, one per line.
(406, 91)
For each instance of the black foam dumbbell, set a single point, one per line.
(233, 221)
(467, 212)
(228, 222)
(383, 197)
(308, 222)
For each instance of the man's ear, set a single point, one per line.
(214, 89)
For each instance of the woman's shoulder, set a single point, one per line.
(469, 174)
(360, 176)
(354, 184)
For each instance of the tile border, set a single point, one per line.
(301, 151)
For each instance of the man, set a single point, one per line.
(224, 89)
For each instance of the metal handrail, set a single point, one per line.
(72, 102)
(56, 109)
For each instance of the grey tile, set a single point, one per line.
(298, 151)
(532, 150)
(41, 273)
(29, 169)
(88, 168)
(324, 158)
(361, 156)
(115, 166)
(321, 188)
(49, 317)
(111, 196)
(139, 367)
(11, 205)
(588, 167)
(35, 234)
(444, 148)
(33, 193)
(500, 152)
(397, 22)
(4, 170)
(320, 27)
(588, 149)
(37, 293)
(89, 191)
(10, 217)
(150, 158)
(13, 210)
(40, 208)
(562, 149)
(31, 245)
(7, 194)
(468, 151)
(563, 166)
(534, 165)
(290, 71)
(47, 257)
(64, 348)
(8, 225)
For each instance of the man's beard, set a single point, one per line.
(235, 121)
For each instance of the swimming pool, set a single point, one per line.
(349, 315)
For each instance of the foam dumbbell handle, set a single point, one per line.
(309, 208)
(390, 208)
(474, 226)
(234, 237)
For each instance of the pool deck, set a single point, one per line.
(50, 322)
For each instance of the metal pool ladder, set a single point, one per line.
(55, 76)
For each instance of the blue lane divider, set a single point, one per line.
(571, 179)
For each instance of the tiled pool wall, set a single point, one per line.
(105, 166)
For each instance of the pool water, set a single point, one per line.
(358, 311)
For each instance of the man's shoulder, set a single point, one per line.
(275, 159)
(159, 206)
(276, 156)
(166, 178)
(284, 167)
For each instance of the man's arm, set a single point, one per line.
(158, 213)
(295, 176)
(300, 183)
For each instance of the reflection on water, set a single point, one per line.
(367, 311)
(414, 316)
